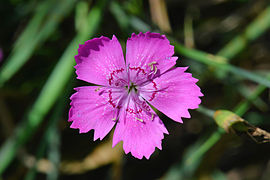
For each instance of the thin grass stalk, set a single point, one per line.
(219, 63)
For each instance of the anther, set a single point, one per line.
(97, 89)
(152, 63)
(152, 118)
(155, 70)
(139, 119)
(152, 67)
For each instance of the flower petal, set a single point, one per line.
(140, 130)
(100, 61)
(173, 93)
(150, 52)
(94, 107)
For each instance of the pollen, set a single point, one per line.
(155, 70)
(139, 119)
(151, 64)
(152, 118)
(97, 89)
(153, 67)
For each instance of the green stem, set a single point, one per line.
(206, 111)
(210, 142)
(220, 63)
(245, 105)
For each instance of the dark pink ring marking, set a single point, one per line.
(114, 73)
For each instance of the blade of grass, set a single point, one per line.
(50, 137)
(126, 21)
(220, 63)
(51, 90)
(44, 22)
(258, 103)
(138, 24)
(50, 140)
(81, 12)
(34, 24)
(159, 15)
(206, 111)
(120, 16)
(54, 152)
(245, 105)
(188, 31)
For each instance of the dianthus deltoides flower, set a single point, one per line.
(126, 87)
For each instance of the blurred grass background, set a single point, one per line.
(224, 42)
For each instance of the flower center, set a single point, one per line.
(131, 87)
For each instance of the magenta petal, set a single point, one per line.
(94, 108)
(99, 60)
(173, 93)
(139, 138)
(128, 87)
(150, 49)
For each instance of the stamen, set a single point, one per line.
(152, 118)
(155, 70)
(97, 89)
(139, 119)
(151, 64)
(152, 67)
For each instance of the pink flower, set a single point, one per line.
(127, 87)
